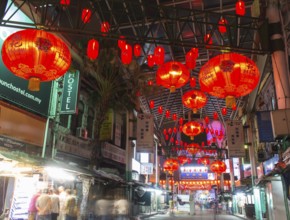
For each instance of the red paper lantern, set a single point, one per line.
(167, 114)
(182, 159)
(105, 27)
(191, 129)
(224, 111)
(234, 107)
(192, 82)
(36, 55)
(159, 55)
(174, 116)
(192, 148)
(150, 83)
(170, 165)
(151, 104)
(172, 75)
(229, 76)
(150, 60)
(160, 109)
(218, 167)
(121, 42)
(181, 121)
(194, 99)
(190, 60)
(215, 116)
(65, 2)
(204, 160)
(93, 49)
(126, 54)
(222, 25)
(206, 119)
(137, 50)
(208, 39)
(86, 15)
(240, 8)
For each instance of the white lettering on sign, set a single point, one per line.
(69, 90)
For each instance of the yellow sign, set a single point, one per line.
(106, 132)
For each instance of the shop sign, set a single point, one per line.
(10, 143)
(70, 92)
(194, 176)
(113, 152)
(235, 137)
(145, 133)
(14, 88)
(106, 132)
(147, 168)
(73, 145)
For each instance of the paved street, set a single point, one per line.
(205, 215)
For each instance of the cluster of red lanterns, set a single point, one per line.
(170, 165)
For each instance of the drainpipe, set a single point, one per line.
(279, 56)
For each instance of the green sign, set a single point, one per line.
(70, 93)
(13, 88)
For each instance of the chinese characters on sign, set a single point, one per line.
(145, 139)
(235, 137)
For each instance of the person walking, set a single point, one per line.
(70, 206)
(54, 204)
(43, 206)
(32, 211)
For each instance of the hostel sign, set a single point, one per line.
(70, 93)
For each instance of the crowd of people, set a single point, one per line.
(53, 204)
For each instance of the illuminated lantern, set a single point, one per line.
(207, 39)
(194, 99)
(234, 107)
(170, 165)
(169, 131)
(181, 121)
(172, 75)
(206, 119)
(86, 15)
(137, 50)
(192, 82)
(174, 116)
(204, 160)
(93, 49)
(240, 8)
(182, 159)
(65, 2)
(224, 111)
(190, 60)
(121, 42)
(191, 129)
(222, 25)
(174, 130)
(105, 27)
(215, 116)
(150, 60)
(150, 82)
(36, 55)
(167, 114)
(159, 55)
(171, 140)
(164, 131)
(151, 104)
(229, 75)
(160, 109)
(126, 54)
(192, 148)
(218, 167)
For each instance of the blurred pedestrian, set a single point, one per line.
(54, 204)
(43, 206)
(62, 198)
(32, 211)
(70, 206)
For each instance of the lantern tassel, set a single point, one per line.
(34, 84)
(230, 101)
(172, 89)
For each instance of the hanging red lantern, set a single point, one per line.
(160, 109)
(167, 114)
(215, 116)
(182, 159)
(192, 82)
(159, 55)
(206, 119)
(166, 137)
(190, 60)
(223, 25)
(171, 140)
(174, 116)
(192, 148)
(240, 8)
(65, 2)
(229, 75)
(151, 104)
(218, 167)
(86, 15)
(234, 107)
(137, 50)
(181, 121)
(208, 39)
(149, 82)
(105, 27)
(169, 131)
(93, 49)
(36, 55)
(204, 160)
(170, 165)
(172, 75)
(150, 60)
(224, 111)
(164, 131)
(121, 42)
(191, 129)
(194, 99)
(126, 54)
(175, 130)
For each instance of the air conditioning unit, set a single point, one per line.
(82, 133)
(280, 120)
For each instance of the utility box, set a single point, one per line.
(280, 120)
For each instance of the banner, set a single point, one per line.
(114, 153)
(106, 133)
(146, 168)
(70, 93)
(235, 137)
(145, 133)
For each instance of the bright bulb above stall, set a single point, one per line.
(59, 173)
